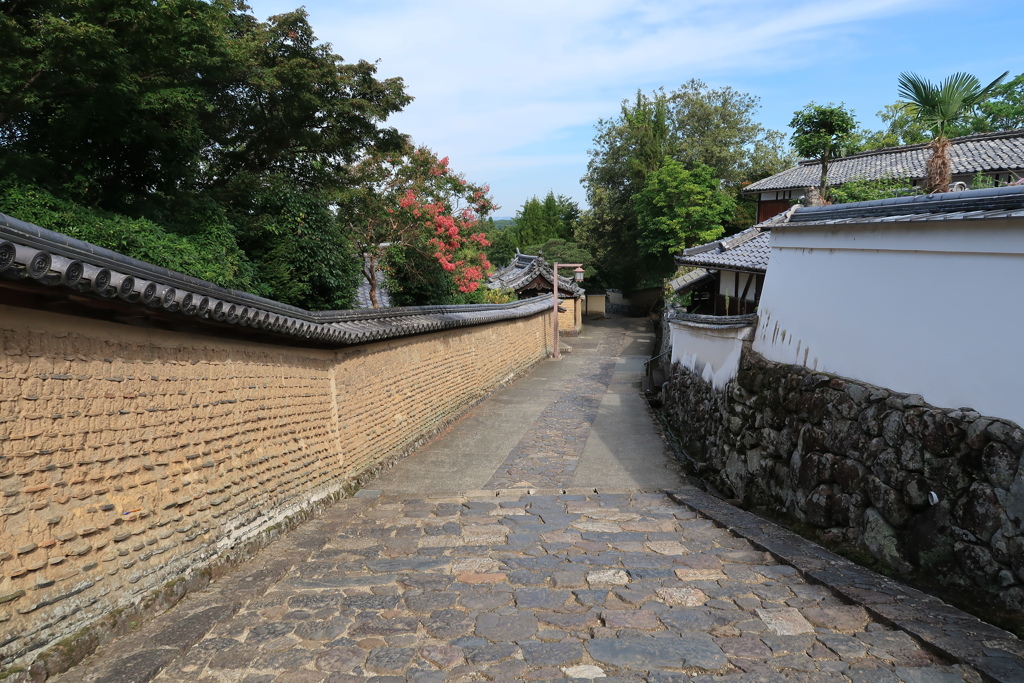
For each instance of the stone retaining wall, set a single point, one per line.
(132, 457)
(862, 463)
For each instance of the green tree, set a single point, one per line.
(940, 106)
(300, 110)
(680, 208)
(503, 246)
(112, 99)
(539, 220)
(562, 251)
(902, 127)
(1004, 110)
(694, 124)
(861, 190)
(192, 113)
(823, 132)
(411, 215)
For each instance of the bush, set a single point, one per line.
(209, 253)
(865, 190)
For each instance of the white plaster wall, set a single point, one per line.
(727, 285)
(930, 308)
(712, 353)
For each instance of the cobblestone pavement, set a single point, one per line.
(547, 455)
(522, 582)
(518, 586)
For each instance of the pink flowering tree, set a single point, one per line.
(417, 221)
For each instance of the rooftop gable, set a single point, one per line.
(524, 269)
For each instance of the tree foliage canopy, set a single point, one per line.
(823, 132)
(938, 106)
(538, 221)
(414, 217)
(680, 208)
(941, 105)
(1004, 110)
(192, 118)
(694, 125)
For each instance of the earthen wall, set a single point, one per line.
(570, 322)
(130, 457)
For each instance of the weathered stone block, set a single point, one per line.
(881, 540)
(979, 511)
(976, 561)
(1000, 464)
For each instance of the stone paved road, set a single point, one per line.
(516, 582)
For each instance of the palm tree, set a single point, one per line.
(938, 106)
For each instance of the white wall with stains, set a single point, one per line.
(713, 352)
(934, 308)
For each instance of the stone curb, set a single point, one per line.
(996, 654)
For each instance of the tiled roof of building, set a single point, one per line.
(524, 269)
(992, 203)
(970, 154)
(50, 266)
(715, 322)
(746, 251)
(689, 279)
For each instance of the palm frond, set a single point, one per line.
(916, 89)
(942, 104)
(989, 90)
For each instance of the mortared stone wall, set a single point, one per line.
(925, 489)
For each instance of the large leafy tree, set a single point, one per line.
(551, 218)
(112, 99)
(300, 109)
(680, 208)
(902, 127)
(1004, 110)
(193, 113)
(939, 106)
(695, 124)
(823, 132)
(411, 215)
(562, 251)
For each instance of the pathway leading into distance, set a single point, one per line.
(548, 536)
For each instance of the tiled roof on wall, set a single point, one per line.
(48, 265)
(992, 203)
(970, 154)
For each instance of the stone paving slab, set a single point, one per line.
(511, 585)
(952, 633)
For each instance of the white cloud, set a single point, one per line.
(493, 79)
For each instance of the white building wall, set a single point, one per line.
(924, 307)
(727, 285)
(711, 352)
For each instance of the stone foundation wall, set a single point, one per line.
(132, 457)
(861, 463)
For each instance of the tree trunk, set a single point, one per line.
(939, 171)
(824, 177)
(370, 271)
(812, 197)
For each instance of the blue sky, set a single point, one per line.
(510, 91)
